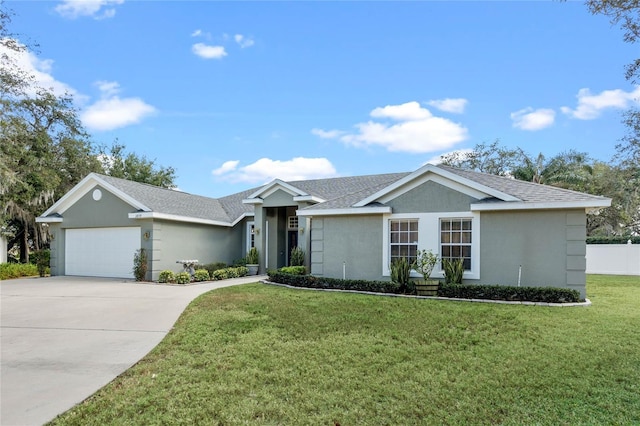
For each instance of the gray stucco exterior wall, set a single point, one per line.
(431, 197)
(109, 211)
(549, 246)
(352, 241)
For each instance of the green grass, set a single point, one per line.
(259, 354)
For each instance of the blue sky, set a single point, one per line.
(234, 94)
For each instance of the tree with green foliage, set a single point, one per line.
(117, 163)
(45, 150)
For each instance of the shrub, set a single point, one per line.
(242, 271)
(140, 264)
(426, 260)
(166, 276)
(201, 275)
(613, 240)
(310, 281)
(220, 274)
(401, 273)
(253, 257)
(511, 293)
(41, 259)
(183, 278)
(296, 257)
(453, 270)
(17, 270)
(295, 270)
(212, 267)
(232, 272)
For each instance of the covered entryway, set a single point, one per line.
(101, 252)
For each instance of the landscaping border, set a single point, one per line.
(586, 303)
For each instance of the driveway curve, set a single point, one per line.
(63, 338)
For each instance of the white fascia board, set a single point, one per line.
(308, 198)
(346, 211)
(84, 186)
(54, 219)
(430, 168)
(479, 207)
(252, 201)
(176, 218)
(244, 215)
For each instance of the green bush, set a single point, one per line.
(41, 259)
(460, 291)
(453, 270)
(201, 275)
(183, 278)
(309, 281)
(297, 257)
(17, 270)
(140, 264)
(401, 274)
(295, 270)
(166, 276)
(498, 292)
(220, 274)
(613, 240)
(242, 271)
(253, 256)
(212, 267)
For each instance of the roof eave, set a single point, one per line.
(504, 206)
(344, 211)
(178, 218)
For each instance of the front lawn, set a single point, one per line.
(259, 354)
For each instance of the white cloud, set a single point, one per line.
(453, 105)
(530, 119)
(98, 9)
(327, 134)
(590, 106)
(40, 69)
(243, 41)
(416, 130)
(196, 33)
(208, 52)
(226, 168)
(265, 170)
(112, 112)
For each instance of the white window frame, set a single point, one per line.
(250, 228)
(429, 239)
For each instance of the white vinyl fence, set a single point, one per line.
(614, 259)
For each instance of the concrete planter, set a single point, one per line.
(253, 269)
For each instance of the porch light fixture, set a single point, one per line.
(256, 231)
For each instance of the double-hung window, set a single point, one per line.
(455, 240)
(403, 238)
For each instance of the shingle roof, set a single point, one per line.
(170, 201)
(338, 193)
(526, 191)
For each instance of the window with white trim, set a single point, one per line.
(455, 240)
(403, 239)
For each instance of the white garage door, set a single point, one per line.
(101, 252)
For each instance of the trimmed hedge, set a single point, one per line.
(201, 275)
(310, 281)
(459, 291)
(17, 270)
(233, 272)
(613, 240)
(510, 293)
(295, 270)
(166, 276)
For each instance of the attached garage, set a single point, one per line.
(101, 252)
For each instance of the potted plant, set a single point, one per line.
(253, 260)
(425, 261)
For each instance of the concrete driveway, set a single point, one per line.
(63, 338)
